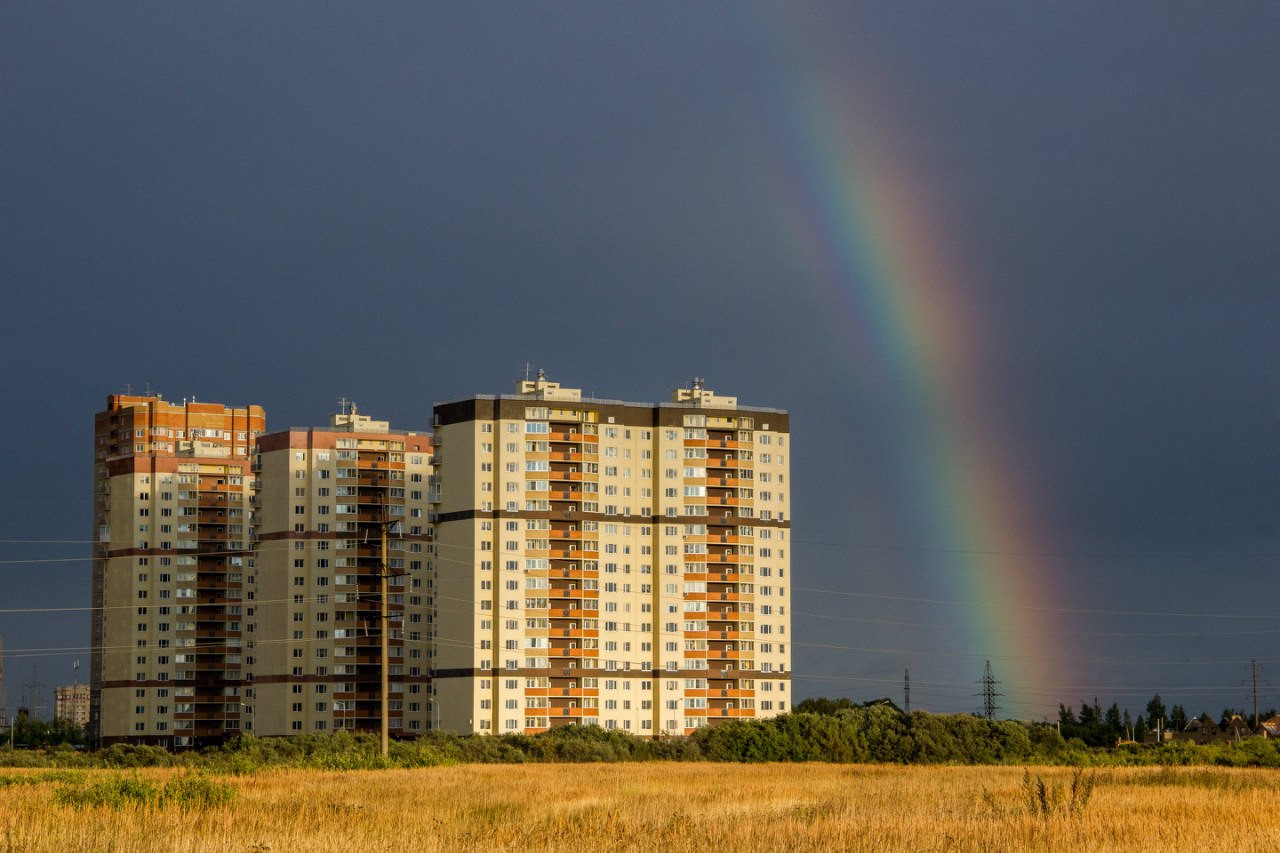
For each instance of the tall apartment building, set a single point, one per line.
(171, 567)
(609, 563)
(71, 702)
(326, 496)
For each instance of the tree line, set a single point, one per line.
(818, 730)
(1098, 728)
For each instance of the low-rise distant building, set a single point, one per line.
(1202, 730)
(1236, 729)
(1271, 728)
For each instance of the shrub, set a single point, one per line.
(125, 755)
(114, 792)
(187, 792)
(192, 791)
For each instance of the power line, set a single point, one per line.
(1022, 632)
(1039, 607)
(1080, 555)
(867, 546)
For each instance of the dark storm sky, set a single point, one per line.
(287, 203)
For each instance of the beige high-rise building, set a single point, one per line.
(609, 563)
(72, 703)
(172, 570)
(326, 496)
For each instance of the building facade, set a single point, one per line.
(171, 568)
(72, 703)
(546, 559)
(326, 496)
(609, 563)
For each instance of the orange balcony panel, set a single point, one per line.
(575, 692)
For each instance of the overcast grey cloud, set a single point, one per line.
(286, 203)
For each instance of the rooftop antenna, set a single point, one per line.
(697, 383)
(527, 368)
(343, 402)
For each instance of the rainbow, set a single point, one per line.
(863, 223)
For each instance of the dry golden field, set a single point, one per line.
(669, 807)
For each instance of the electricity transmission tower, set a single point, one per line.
(906, 689)
(989, 693)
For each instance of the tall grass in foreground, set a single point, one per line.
(670, 806)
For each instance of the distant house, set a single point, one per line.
(1271, 728)
(1236, 729)
(1202, 730)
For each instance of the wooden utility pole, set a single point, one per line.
(1254, 664)
(386, 625)
(384, 572)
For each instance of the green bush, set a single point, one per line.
(188, 792)
(116, 792)
(841, 732)
(125, 755)
(192, 792)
